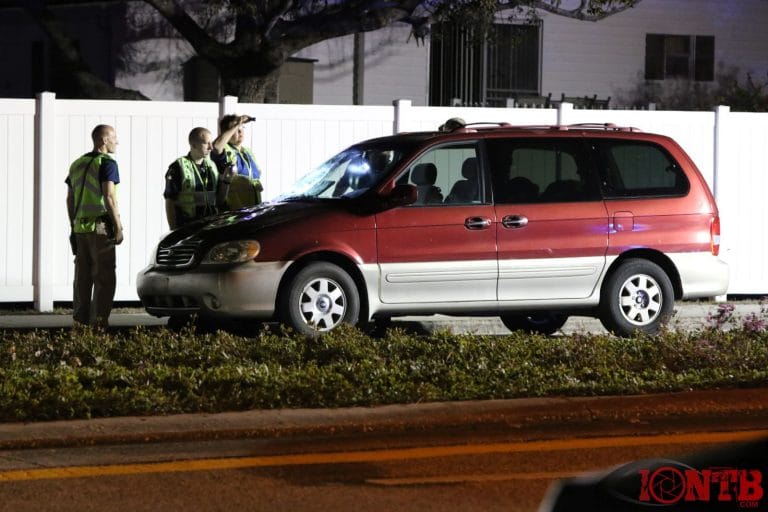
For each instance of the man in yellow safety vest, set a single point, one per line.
(96, 228)
(193, 187)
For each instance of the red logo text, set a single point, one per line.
(668, 485)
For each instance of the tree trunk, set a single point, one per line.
(76, 79)
(251, 89)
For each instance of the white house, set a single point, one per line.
(665, 40)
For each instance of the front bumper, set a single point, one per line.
(248, 290)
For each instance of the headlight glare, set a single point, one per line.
(236, 251)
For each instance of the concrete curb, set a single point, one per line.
(60, 321)
(528, 418)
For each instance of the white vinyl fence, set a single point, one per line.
(40, 138)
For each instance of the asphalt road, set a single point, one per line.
(504, 476)
(494, 455)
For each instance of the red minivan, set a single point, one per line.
(530, 224)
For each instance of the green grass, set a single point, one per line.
(78, 373)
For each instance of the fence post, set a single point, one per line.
(721, 115)
(401, 115)
(227, 105)
(564, 111)
(720, 144)
(47, 203)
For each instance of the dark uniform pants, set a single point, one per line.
(94, 286)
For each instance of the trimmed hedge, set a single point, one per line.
(79, 373)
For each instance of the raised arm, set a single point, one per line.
(221, 141)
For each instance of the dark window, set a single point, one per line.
(679, 56)
(704, 59)
(541, 171)
(637, 169)
(474, 73)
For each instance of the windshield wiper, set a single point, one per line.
(301, 198)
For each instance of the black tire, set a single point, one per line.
(378, 326)
(246, 328)
(200, 323)
(319, 298)
(535, 323)
(637, 296)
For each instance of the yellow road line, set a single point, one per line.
(375, 455)
(458, 479)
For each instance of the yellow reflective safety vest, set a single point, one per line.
(190, 197)
(244, 190)
(86, 188)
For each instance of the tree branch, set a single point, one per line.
(279, 13)
(341, 20)
(205, 45)
(585, 11)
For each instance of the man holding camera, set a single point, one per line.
(229, 152)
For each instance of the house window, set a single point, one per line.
(679, 56)
(483, 73)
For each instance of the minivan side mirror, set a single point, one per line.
(401, 195)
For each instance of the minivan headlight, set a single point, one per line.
(236, 251)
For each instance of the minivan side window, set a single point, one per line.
(639, 169)
(447, 174)
(541, 171)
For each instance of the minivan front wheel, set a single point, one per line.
(537, 323)
(638, 296)
(319, 298)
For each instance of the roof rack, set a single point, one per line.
(502, 124)
(609, 127)
(472, 127)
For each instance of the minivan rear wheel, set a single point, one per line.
(638, 296)
(539, 322)
(320, 297)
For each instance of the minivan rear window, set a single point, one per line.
(639, 169)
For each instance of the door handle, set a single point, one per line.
(514, 221)
(477, 222)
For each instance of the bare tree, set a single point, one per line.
(252, 39)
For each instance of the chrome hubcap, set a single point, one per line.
(323, 304)
(640, 300)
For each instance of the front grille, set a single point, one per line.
(166, 302)
(178, 255)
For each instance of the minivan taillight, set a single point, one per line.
(714, 235)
